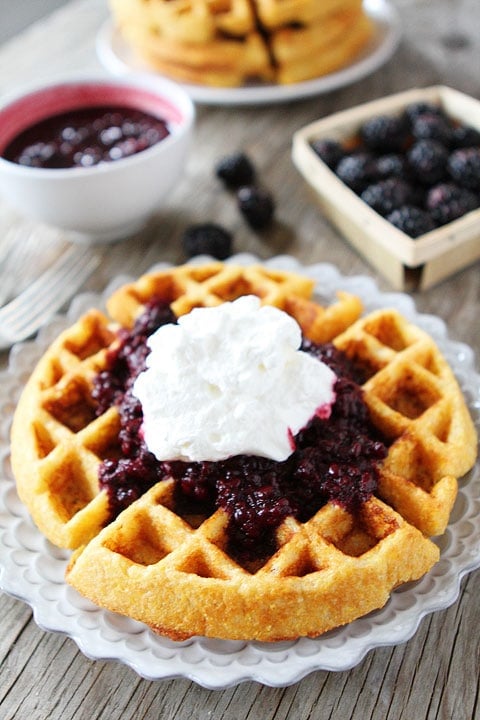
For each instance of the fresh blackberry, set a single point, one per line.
(465, 136)
(384, 133)
(414, 110)
(428, 161)
(356, 171)
(386, 195)
(447, 202)
(391, 165)
(411, 220)
(235, 170)
(256, 205)
(464, 167)
(432, 127)
(208, 239)
(330, 151)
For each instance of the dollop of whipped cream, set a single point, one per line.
(230, 380)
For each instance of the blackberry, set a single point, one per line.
(391, 165)
(414, 110)
(432, 127)
(386, 195)
(208, 239)
(465, 136)
(356, 171)
(447, 202)
(330, 151)
(411, 220)
(384, 133)
(256, 205)
(464, 167)
(428, 161)
(235, 170)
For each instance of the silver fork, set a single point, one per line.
(15, 250)
(24, 315)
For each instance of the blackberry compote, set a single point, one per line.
(86, 137)
(333, 460)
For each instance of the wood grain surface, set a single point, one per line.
(433, 675)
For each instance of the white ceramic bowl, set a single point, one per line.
(111, 200)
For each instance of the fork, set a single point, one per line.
(14, 252)
(24, 315)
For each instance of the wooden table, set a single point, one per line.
(433, 675)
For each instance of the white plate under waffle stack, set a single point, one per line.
(117, 57)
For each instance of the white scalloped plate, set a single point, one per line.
(33, 570)
(116, 57)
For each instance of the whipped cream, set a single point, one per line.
(230, 380)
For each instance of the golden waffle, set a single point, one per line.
(186, 21)
(56, 462)
(223, 62)
(279, 13)
(215, 42)
(173, 571)
(232, 42)
(413, 396)
(209, 285)
(326, 572)
(319, 49)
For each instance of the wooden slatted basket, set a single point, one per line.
(405, 262)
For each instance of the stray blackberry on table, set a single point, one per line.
(256, 205)
(207, 239)
(235, 170)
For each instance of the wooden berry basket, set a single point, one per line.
(405, 262)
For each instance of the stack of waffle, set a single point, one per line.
(227, 43)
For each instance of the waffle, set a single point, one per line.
(274, 14)
(186, 21)
(233, 42)
(320, 48)
(413, 396)
(223, 62)
(209, 285)
(215, 42)
(173, 570)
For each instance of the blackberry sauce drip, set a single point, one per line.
(334, 460)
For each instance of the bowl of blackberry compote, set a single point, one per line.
(93, 156)
(400, 178)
